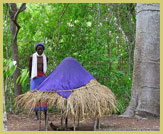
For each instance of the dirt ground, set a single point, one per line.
(23, 122)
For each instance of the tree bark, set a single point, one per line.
(4, 109)
(8, 80)
(14, 28)
(145, 99)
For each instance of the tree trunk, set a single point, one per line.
(4, 109)
(14, 28)
(98, 21)
(108, 37)
(7, 57)
(145, 99)
(59, 29)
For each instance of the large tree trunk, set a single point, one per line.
(145, 101)
(14, 28)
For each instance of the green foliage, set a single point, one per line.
(23, 78)
(9, 67)
(71, 30)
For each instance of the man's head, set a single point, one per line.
(39, 48)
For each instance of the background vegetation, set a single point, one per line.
(100, 36)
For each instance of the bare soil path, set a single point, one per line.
(23, 122)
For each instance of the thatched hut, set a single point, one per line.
(71, 88)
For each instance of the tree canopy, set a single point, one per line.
(100, 36)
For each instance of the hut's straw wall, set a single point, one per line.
(91, 100)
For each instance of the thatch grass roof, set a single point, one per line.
(90, 100)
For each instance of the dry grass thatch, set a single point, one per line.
(91, 100)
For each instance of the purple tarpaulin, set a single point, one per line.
(69, 74)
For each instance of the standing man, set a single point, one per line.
(37, 68)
